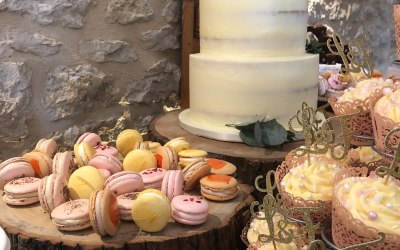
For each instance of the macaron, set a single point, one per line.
(63, 164)
(104, 212)
(189, 156)
(14, 168)
(142, 145)
(172, 184)
(84, 181)
(178, 144)
(219, 187)
(153, 145)
(49, 146)
(124, 182)
(125, 203)
(152, 177)
(166, 158)
(126, 140)
(84, 152)
(106, 161)
(105, 149)
(52, 192)
(138, 160)
(72, 215)
(194, 172)
(40, 161)
(93, 138)
(23, 191)
(221, 167)
(189, 209)
(151, 210)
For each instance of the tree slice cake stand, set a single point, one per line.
(250, 161)
(29, 227)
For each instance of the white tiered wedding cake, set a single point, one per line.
(252, 64)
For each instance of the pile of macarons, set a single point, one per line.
(97, 185)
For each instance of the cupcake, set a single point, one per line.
(308, 184)
(259, 226)
(363, 157)
(386, 117)
(364, 206)
(349, 102)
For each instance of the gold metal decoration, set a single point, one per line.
(310, 227)
(393, 170)
(270, 207)
(357, 59)
(320, 139)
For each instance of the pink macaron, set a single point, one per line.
(124, 182)
(72, 215)
(52, 192)
(14, 168)
(63, 164)
(189, 209)
(23, 191)
(152, 177)
(49, 146)
(125, 203)
(106, 150)
(172, 184)
(93, 138)
(106, 161)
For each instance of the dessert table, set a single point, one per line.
(250, 161)
(29, 227)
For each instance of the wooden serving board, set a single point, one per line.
(29, 227)
(250, 161)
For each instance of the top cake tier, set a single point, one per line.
(253, 28)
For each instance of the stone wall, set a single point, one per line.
(69, 66)
(351, 18)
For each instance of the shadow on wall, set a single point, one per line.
(351, 18)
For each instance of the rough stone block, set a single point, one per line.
(69, 13)
(160, 81)
(107, 51)
(73, 91)
(15, 96)
(128, 11)
(171, 12)
(167, 37)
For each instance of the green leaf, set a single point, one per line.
(258, 133)
(248, 138)
(273, 133)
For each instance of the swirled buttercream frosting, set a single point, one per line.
(362, 90)
(260, 227)
(373, 201)
(389, 105)
(311, 181)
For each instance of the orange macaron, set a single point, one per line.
(194, 172)
(104, 212)
(221, 167)
(218, 187)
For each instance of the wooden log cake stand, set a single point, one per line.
(250, 161)
(29, 227)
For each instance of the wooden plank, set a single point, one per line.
(29, 227)
(188, 21)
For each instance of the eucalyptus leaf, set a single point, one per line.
(258, 133)
(273, 133)
(248, 138)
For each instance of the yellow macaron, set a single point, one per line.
(151, 210)
(178, 144)
(83, 153)
(191, 155)
(126, 141)
(138, 160)
(84, 181)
